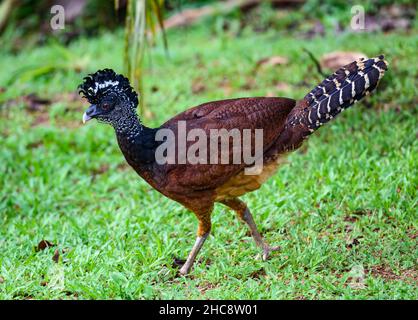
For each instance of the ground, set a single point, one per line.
(343, 209)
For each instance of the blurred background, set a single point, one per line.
(76, 221)
(139, 29)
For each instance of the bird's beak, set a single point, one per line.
(90, 113)
(86, 118)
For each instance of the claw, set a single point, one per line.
(267, 250)
(178, 263)
(184, 270)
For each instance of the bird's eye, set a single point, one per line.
(105, 106)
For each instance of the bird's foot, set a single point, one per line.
(267, 250)
(182, 264)
(184, 270)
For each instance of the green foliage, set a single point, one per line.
(339, 8)
(347, 202)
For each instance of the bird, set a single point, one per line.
(283, 125)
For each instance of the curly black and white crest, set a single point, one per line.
(97, 85)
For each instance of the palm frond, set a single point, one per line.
(144, 19)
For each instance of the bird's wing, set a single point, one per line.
(268, 114)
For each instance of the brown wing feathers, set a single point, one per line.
(268, 114)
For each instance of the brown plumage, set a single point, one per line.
(285, 124)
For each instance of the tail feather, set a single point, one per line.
(342, 89)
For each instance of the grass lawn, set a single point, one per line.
(343, 209)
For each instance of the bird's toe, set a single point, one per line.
(267, 250)
(178, 263)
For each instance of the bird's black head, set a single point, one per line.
(111, 96)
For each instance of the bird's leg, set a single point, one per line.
(245, 215)
(202, 233)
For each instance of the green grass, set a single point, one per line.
(346, 202)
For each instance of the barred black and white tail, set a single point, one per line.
(342, 89)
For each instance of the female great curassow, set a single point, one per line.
(285, 124)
